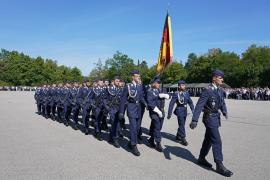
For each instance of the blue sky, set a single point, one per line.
(78, 32)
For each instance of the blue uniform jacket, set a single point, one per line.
(181, 99)
(210, 101)
(133, 95)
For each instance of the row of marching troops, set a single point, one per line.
(108, 104)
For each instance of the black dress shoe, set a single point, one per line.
(204, 162)
(115, 143)
(183, 141)
(110, 140)
(177, 139)
(76, 127)
(86, 131)
(98, 136)
(151, 142)
(135, 150)
(221, 169)
(159, 147)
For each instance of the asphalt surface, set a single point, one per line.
(32, 147)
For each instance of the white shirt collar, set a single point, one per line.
(215, 86)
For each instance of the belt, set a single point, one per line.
(182, 105)
(134, 102)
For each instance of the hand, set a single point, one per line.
(225, 115)
(163, 95)
(193, 125)
(169, 117)
(156, 110)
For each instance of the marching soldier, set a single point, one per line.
(59, 101)
(67, 101)
(181, 98)
(38, 99)
(112, 103)
(156, 112)
(53, 101)
(97, 105)
(86, 95)
(133, 95)
(47, 99)
(211, 101)
(76, 100)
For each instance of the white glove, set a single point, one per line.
(163, 95)
(156, 110)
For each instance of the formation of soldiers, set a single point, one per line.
(103, 106)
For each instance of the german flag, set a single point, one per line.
(166, 48)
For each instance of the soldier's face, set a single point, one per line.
(100, 83)
(136, 78)
(157, 85)
(117, 82)
(218, 80)
(182, 87)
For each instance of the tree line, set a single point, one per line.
(250, 69)
(18, 69)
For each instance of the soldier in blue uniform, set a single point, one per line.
(181, 98)
(112, 103)
(76, 99)
(47, 100)
(67, 102)
(97, 105)
(53, 101)
(156, 112)
(133, 95)
(86, 95)
(211, 102)
(59, 101)
(43, 99)
(38, 99)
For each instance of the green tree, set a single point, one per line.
(174, 72)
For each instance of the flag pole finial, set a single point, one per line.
(168, 6)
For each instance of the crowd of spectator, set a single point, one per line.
(17, 88)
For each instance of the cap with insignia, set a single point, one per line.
(135, 72)
(156, 79)
(181, 82)
(217, 73)
(116, 77)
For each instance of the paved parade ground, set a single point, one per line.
(32, 147)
